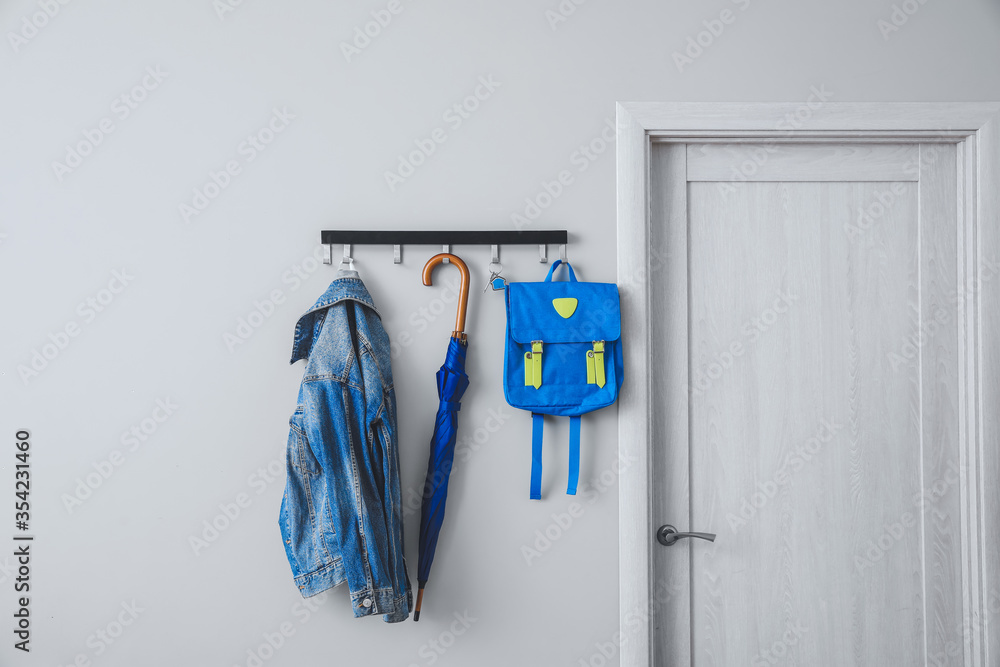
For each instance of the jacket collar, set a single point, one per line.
(341, 289)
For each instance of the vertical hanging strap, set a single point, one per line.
(537, 425)
(574, 454)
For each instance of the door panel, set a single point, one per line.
(812, 376)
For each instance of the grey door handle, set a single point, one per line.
(667, 535)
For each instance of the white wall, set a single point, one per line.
(162, 336)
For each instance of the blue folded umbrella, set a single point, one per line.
(452, 383)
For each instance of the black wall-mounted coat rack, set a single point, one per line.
(445, 239)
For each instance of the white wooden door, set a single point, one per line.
(806, 393)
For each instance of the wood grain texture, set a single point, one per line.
(940, 362)
(967, 426)
(875, 307)
(634, 410)
(669, 328)
(981, 384)
(793, 561)
(983, 322)
(802, 162)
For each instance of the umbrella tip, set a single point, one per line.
(420, 599)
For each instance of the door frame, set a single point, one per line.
(975, 128)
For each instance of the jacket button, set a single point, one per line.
(366, 603)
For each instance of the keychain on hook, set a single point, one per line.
(496, 281)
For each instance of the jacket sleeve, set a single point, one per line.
(352, 456)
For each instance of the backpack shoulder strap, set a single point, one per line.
(537, 426)
(537, 430)
(574, 455)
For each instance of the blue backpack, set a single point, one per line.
(563, 357)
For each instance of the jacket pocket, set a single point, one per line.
(300, 454)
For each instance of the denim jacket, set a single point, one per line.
(341, 517)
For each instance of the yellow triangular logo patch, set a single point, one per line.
(565, 307)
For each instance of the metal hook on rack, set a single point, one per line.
(347, 259)
(562, 252)
(543, 253)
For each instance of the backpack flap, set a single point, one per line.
(563, 312)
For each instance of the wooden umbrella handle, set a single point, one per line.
(463, 296)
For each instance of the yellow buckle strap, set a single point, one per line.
(595, 364)
(533, 365)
